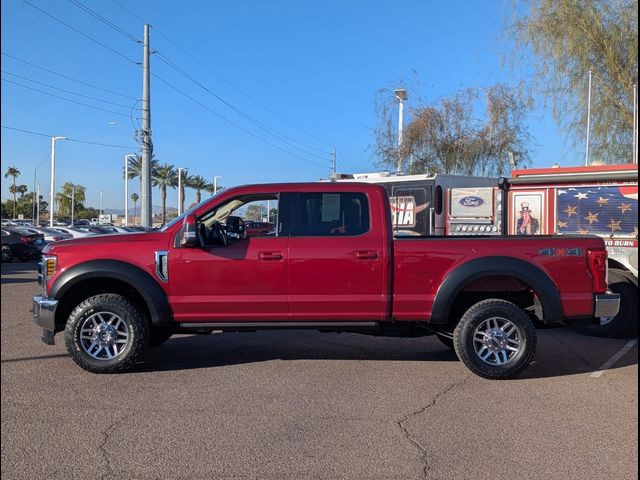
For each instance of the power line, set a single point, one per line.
(69, 78)
(66, 91)
(68, 139)
(282, 137)
(80, 32)
(105, 21)
(231, 84)
(65, 99)
(235, 124)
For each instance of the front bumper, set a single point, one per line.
(44, 315)
(607, 305)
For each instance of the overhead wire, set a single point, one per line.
(231, 84)
(81, 32)
(68, 139)
(68, 77)
(283, 138)
(248, 132)
(65, 99)
(63, 90)
(105, 20)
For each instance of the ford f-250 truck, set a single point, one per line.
(330, 263)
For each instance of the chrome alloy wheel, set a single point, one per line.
(104, 335)
(497, 341)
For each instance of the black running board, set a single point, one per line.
(252, 326)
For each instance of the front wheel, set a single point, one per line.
(106, 334)
(495, 339)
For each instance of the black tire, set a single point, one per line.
(475, 318)
(7, 255)
(135, 327)
(446, 341)
(158, 336)
(625, 323)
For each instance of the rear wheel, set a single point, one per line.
(106, 334)
(495, 339)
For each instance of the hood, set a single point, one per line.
(115, 240)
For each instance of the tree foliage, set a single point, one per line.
(566, 39)
(69, 192)
(470, 132)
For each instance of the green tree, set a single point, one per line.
(199, 183)
(69, 192)
(134, 199)
(254, 212)
(165, 176)
(15, 173)
(470, 132)
(566, 39)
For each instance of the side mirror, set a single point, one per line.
(189, 235)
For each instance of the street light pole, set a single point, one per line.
(215, 183)
(586, 155)
(73, 201)
(100, 202)
(180, 191)
(401, 96)
(38, 207)
(53, 174)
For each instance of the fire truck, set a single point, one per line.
(593, 200)
(421, 205)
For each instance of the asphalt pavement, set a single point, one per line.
(298, 405)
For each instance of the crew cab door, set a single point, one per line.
(337, 269)
(244, 280)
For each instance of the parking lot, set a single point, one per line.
(297, 405)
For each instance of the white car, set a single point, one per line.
(73, 232)
(50, 234)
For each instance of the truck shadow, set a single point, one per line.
(561, 352)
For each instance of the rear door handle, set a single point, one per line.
(366, 254)
(270, 256)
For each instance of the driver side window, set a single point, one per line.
(240, 218)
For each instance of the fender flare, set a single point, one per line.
(139, 280)
(468, 272)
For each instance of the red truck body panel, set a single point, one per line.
(367, 277)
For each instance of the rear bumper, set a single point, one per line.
(606, 305)
(44, 315)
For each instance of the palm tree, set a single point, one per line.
(185, 182)
(135, 167)
(22, 189)
(134, 199)
(199, 183)
(15, 173)
(165, 176)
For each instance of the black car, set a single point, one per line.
(21, 244)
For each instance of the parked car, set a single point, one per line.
(50, 233)
(258, 228)
(94, 229)
(7, 223)
(332, 265)
(73, 232)
(21, 245)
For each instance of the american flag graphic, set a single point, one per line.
(595, 210)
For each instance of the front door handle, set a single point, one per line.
(270, 256)
(366, 254)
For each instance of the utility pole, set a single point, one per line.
(35, 199)
(333, 161)
(100, 202)
(147, 146)
(215, 183)
(401, 96)
(180, 199)
(586, 156)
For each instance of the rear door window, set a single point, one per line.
(320, 214)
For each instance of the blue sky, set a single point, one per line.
(313, 67)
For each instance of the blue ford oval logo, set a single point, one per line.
(471, 201)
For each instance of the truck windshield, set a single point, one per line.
(187, 212)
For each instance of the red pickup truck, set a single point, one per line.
(331, 264)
